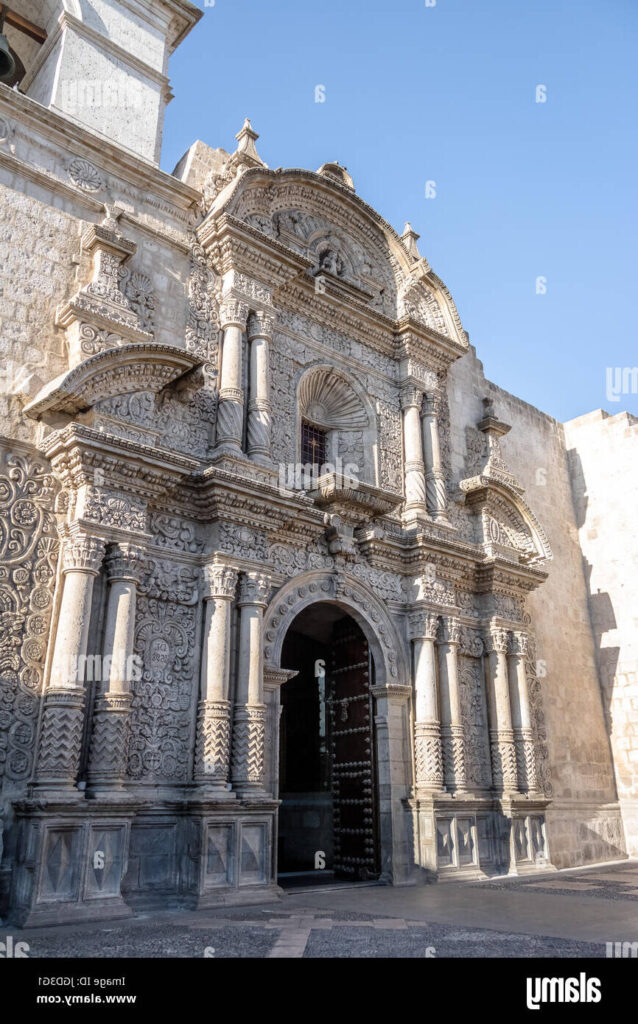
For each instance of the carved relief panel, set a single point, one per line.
(166, 641)
(28, 556)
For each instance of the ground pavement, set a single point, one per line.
(565, 914)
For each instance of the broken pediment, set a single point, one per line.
(144, 367)
(505, 524)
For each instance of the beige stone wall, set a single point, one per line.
(603, 452)
(37, 244)
(583, 822)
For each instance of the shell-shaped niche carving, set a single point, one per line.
(327, 399)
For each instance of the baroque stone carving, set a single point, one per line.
(85, 175)
(28, 556)
(165, 632)
(173, 533)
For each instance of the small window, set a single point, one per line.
(313, 445)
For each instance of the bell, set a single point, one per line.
(7, 61)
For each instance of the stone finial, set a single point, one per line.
(410, 239)
(246, 152)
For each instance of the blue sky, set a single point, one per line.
(447, 94)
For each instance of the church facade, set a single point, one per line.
(287, 586)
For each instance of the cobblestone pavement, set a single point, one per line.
(533, 917)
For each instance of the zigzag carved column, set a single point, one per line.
(411, 399)
(427, 729)
(436, 498)
(260, 327)
(63, 716)
(108, 753)
(521, 715)
(212, 751)
(503, 750)
(249, 726)
(230, 412)
(451, 722)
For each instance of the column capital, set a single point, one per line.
(125, 562)
(422, 625)
(411, 396)
(254, 588)
(451, 630)
(496, 641)
(220, 582)
(432, 403)
(519, 643)
(260, 325)
(233, 313)
(83, 553)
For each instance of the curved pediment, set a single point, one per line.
(505, 519)
(346, 240)
(146, 367)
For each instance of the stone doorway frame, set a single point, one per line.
(392, 692)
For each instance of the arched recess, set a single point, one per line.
(331, 400)
(392, 693)
(356, 599)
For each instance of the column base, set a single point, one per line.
(70, 861)
(206, 791)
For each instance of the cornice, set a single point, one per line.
(77, 451)
(75, 140)
(234, 245)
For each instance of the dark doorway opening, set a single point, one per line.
(328, 819)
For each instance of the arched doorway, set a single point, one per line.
(328, 817)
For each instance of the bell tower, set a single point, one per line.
(102, 63)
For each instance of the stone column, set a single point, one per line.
(108, 756)
(260, 328)
(427, 729)
(453, 741)
(521, 715)
(63, 716)
(212, 750)
(249, 724)
(230, 411)
(411, 399)
(436, 500)
(504, 775)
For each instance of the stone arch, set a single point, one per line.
(354, 598)
(329, 398)
(144, 366)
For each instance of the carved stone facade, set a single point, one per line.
(161, 533)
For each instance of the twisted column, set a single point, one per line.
(504, 774)
(63, 716)
(427, 729)
(249, 726)
(260, 328)
(521, 714)
(411, 399)
(436, 499)
(108, 754)
(230, 410)
(452, 737)
(212, 749)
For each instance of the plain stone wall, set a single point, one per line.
(603, 455)
(581, 827)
